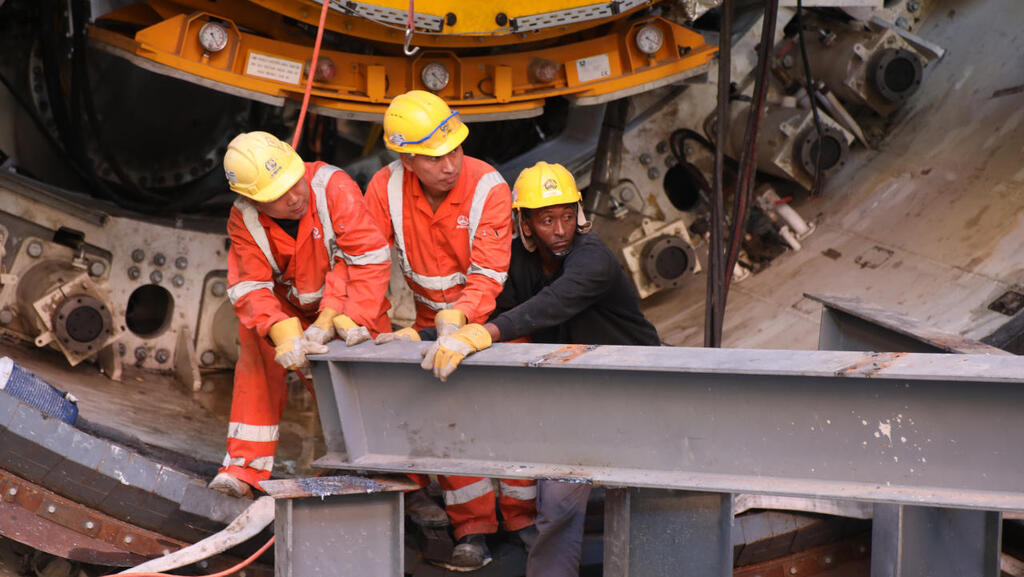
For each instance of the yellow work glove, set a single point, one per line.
(457, 346)
(406, 334)
(290, 344)
(350, 331)
(446, 321)
(322, 329)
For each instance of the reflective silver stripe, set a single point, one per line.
(259, 463)
(468, 493)
(306, 298)
(395, 208)
(380, 256)
(319, 186)
(251, 218)
(476, 208)
(255, 433)
(489, 273)
(239, 290)
(438, 283)
(433, 305)
(262, 463)
(528, 493)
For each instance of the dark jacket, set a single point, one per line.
(588, 301)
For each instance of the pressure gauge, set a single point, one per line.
(649, 39)
(213, 37)
(435, 76)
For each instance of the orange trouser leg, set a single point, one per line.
(422, 480)
(518, 503)
(469, 502)
(257, 403)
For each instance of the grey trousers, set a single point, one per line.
(561, 509)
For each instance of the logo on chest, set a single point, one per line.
(316, 233)
(462, 221)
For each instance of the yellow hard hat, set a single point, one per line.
(544, 185)
(419, 122)
(260, 167)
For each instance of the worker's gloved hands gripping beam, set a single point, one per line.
(447, 322)
(291, 345)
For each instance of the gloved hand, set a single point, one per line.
(322, 329)
(290, 344)
(457, 346)
(350, 331)
(447, 322)
(406, 334)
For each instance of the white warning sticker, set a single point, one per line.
(593, 68)
(274, 68)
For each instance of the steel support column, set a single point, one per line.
(658, 532)
(908, 541)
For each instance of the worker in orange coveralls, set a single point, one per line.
(449, 219)
(306, 263)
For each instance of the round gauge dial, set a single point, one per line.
(649, 39)
(435, 76)
(213, 37)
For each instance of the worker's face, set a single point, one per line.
(291, 205)
(438, 174)
(552, 228)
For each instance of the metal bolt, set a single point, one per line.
(97, 268)
(181, 263)
(828, 560)
(51, 509)
(208, 358)
(138, 255)
(792, 570)
(204, 564)
(219, 289)
(162, 355)
(156, 277)
(12, 491)
(90, 525)
(653, 173)
(688, 149)
(134, 273)
(6, 316)
(901, 22)
(159, 259)
(128, 539)
(787, 61)
(241, 574)
(645, 159)
(671, 161)
(35, 249)
(141, 353)
(912, 6)
(178, 280)
(661, 147)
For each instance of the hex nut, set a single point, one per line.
(163, 355)
(159, 259)
(34, 249)
(134, 273)
(141, 353)
(181, 263)
(138, 255)
(178, 280)
(156, 277)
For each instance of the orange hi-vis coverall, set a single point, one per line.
(456, 258)
(339, 259)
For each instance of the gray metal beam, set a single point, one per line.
(908, 541)
(919, 429)
(849, 324)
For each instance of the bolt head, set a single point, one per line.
(912, 6)
(128, 539)
(208, 358)
(138, 255)
(181, 263)
(219, 289)
(792, 570)
(156, 277)
(90, 525)
(141, 353)
(901, 22)
(661, 147)
(163, 355)
(178, 281)
(653, 173)
(645, 159)
(51, 509)
(97, 268)
(12, 491)
(35, 249)
(134, 273)
(159, 259)
(6, 316)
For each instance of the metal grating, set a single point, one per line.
(573, 15)
(389, 16)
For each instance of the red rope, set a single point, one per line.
(305, 382)
(223, 573)
(312, 73)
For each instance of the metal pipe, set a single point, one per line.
(608, 158)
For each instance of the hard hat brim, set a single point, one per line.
(451, 143)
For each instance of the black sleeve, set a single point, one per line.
(586, 275)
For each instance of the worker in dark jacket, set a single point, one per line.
(564, 286)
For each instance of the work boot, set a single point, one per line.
(231, 486)
(425, 511)
(470, 554)
(527, 536)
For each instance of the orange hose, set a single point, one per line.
(223, 573)
(305, 382)
(312, 73)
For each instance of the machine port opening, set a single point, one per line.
(149, 309)
(682, 187)
(831, 152)
(900, 75)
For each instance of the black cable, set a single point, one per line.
(714, 299)
(812, 90)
